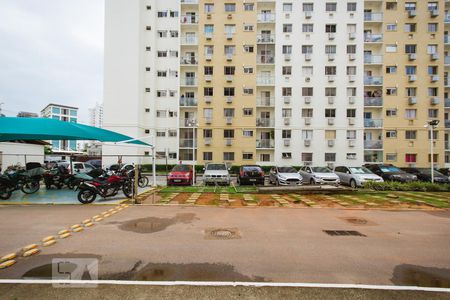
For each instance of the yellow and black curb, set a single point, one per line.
(9, 260)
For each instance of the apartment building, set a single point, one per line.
(279, 82)
(96, 115)
(62, 113)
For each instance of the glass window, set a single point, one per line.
(287, 7)
(351, 6)
(330, 6)
(230, 7)
(249, 6)
(209, 8)
(56, 110)
(207, 156)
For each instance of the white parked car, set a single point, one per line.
(319, 175)
(285, 176)
(216, 173)
(356, 176)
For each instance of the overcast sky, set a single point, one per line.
(51, 51)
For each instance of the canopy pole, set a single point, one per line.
(154, 166)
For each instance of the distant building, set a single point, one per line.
(94, 149)
(26, 114)
(66, 114)
(96, 116)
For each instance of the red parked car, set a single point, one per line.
(180, 175)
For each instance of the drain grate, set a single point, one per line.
(343, 233)
(357, 221)
(222, 234)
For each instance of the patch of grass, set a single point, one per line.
(208, 189)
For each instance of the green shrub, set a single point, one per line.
(417, 186)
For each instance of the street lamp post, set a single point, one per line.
(432, 125)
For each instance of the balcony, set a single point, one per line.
(265, 144)
(373, 59)
(265, 122)
(447, 102)
(447, 18)
(447, 123)
(373, 145)
(265, 38)
(265, 80)
(265, 59)
(188, 40)
(187, 122)
(265, 102)
(373, 123)
(373, 38)
(189, 60)
(373, 17)
(446, 82)
(189, 2)
(189, 20)
(187, 143)
(188, 102)
(188, 81)
(447, 60)
(447, 39)
(373, 101)
(373, 80)
(266, 18)
(373, 156)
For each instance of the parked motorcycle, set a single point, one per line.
(19, 179)
(106, 188)
(56, 177)
(74, 181)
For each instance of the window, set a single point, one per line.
(228, 133)
(391, 48)
(330, 49)
(286, 112)
(229, 70)
(410, 27)
(432, 92)
(287, 7)
(308, 6)
(208, 91)
(351, 156)
(391, 112)
(391, 91)
(249, 27)
(410, 158)
(410, 6)
(351, 113)
(307, 49)
(330, 70)
(432, 70)
(391, 5)
(435, 135)
(307, 112)
(230, 28)
(162, 33)
(287, 28)
(209, 50)
(432, 27)
(307, 91)
(161, 93)
(228, 91)
(160, 133)
(330, 134)
(432, 49)
(391, 69)
(248, 111)
(410, 113)
(286, 155)
(351, 92)
(308, 28)
(391, 27)
(249, 48)
(161, 113)
(162, 73)
(307, 134)
(247, 133)
(351, 134)
(162, 53)
(228, 156)
(411, 91)
(209, 8)
(351, 70)
(228, 112)
(410, 70)
(391, 134)
(264, 157)
(207, 156)
(229, 49)
(247, 156)
(287, 70)
(307, 157)
(330, 113)
(248, 70)
(410, 134)
(391, 156)
(330, 28)
(287, 49)
(247, 91)
(433, 113)
(286, 134)
(287, 91)
(330, 157)
(230, 7)
(208, 70)
(249, 6)
(307, 71)
(351, 6)
(330, 6)
(162, 14)
(207, 133)
(432, 6)
(209, 28)
(410, 49)
(330, 91)
(351, 49)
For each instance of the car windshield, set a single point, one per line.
(181, 168)
(251, 168)
(390, 169)
(360, 170)
(427, 171)
(321, 170)
(287, 170)
(216, 167)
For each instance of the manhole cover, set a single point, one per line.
(222, 233)
(343, 233)
(356, 221)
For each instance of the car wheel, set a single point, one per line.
(353, 184)
(277, 182)
(312, 182)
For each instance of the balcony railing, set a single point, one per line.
(265, 102)
(189, 60)
(447, 102)
(373, 38)
(373, 59)
(188, 81)
(373, 80)
(188, 101)
(188, 40)
(265, 59)
(373, 101)
(447, 60)
(447, 145)
(265, 38)
(373, 17)
(447, 18)
(265, 144)
(265, 80)
(373, 144)
(265, 122)
(189, 19)
(187, 143)
(266, 18)
(446, 82)
(189, 1)
(447, 123)
(373, 123)
(188, 122)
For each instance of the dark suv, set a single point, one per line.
(424, 174)
(250, 174)
(391, 173)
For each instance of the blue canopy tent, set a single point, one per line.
(32, 129)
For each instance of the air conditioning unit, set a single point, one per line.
(208, 120)
(412, 13)
(434, 56)
(351, 121)
(230, 16)
(330, 121)
(229, 99)
(229, 35)
(207, 141)
(331, 56)
(351, 143)
(287, 142)
(307, 143)
(287, 15)
(307, 79)
(287, 99)
(287, 121)
(434, 12)
(412, 78)
(331, 100)
(307, 121)
(208, 56)
(352, 35)
(308, 14)
(208, 35)
(351, 56)
(412, 100)
(208, 16)
(435, 101)
(287, 57)
(434, 78)
(208, 99)
(229, 56)
(351, 78)
(229, 78)
(331, 78)
(412, 56)
(330, 143)
(208, 78)
(331, 35)
(307, 56)
(351, 100)
(229, 120)
(229, 142)
(307, 100)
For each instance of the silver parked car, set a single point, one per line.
(216, 173)
(319, 175)
(285, 176)
(356, 176)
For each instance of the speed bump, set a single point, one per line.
(7, 264)
(88, 224)
(78, 229)
(75, 226)
(31, 252)
(86, 221)
(65, 235)
(64, 231)
(96, 216)
(98, 219)
(49, 243)
(49, 238)
(106, 215)
(29, 247)
(8, 257)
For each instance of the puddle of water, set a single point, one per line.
(153, 224)
(184, 272)
(421, 276)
